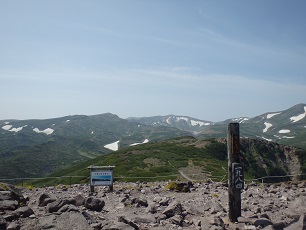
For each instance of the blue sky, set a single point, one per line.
(210, 60)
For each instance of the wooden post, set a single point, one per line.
(235, 172)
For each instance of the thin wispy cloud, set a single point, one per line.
(138, 59)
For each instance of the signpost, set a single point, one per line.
(101, 176)
(235, 172)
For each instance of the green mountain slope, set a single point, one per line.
(33, 148)
(199, 159)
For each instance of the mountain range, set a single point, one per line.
(35, 148)
(285, 127)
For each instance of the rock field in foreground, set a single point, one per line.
(151, 206)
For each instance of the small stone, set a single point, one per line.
(96, 226)
(13, 226)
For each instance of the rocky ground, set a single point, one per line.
(152, 206)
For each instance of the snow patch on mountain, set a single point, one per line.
(200, 123)
(268, 125)
(284, 131)
(47, 131)
(240, 119)
(298, 117)
(266, 139)
(145, 141)
(7, 127)
(168, 120)
(17, 129)
(272, 115)
(113, 146)
(288, 137)
(188, 120)
(182, 118)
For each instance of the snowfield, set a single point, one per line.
(272, 115)
(284, 131)
(298, 117)
(200, 123)
(268, 125)
(47, 131)
(7, 127)
(113, 146)
(145, 141)
(241, 119)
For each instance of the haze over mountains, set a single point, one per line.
(38, 147)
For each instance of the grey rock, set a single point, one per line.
(214, 207)
(173, 209)
(24, 212)
(15, 192)
(13, 226)
(96, 226)
(11, 216)
(56, 205)
(279, 225)
(140, 202)
(6, 195)
(177, 220)
(264, 215)
(2, 223)
(79, 200)
(263, 222)
(269, 227)
(8, 205)
(144, 219)
(128, 221)
(118, 226)
(124, 198)
(88, 217)
(242, 219)
(152, 208)
(44, 199)
(164, 201)
(65, 221)
(68, 208)
(94, 204)
(216, 220)
(300, 224)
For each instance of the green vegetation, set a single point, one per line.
(164, 159)
(75, 139)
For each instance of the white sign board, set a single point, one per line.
(101, 178)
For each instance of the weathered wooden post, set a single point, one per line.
(235, 172)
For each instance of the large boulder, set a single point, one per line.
(14, 193)
(175, 208)
(8, 205)
(67, 220)
(24, 212)
(94, 204)
(44, 199)
(79, 200)
(56, 205)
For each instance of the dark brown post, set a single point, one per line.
(235, 172)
